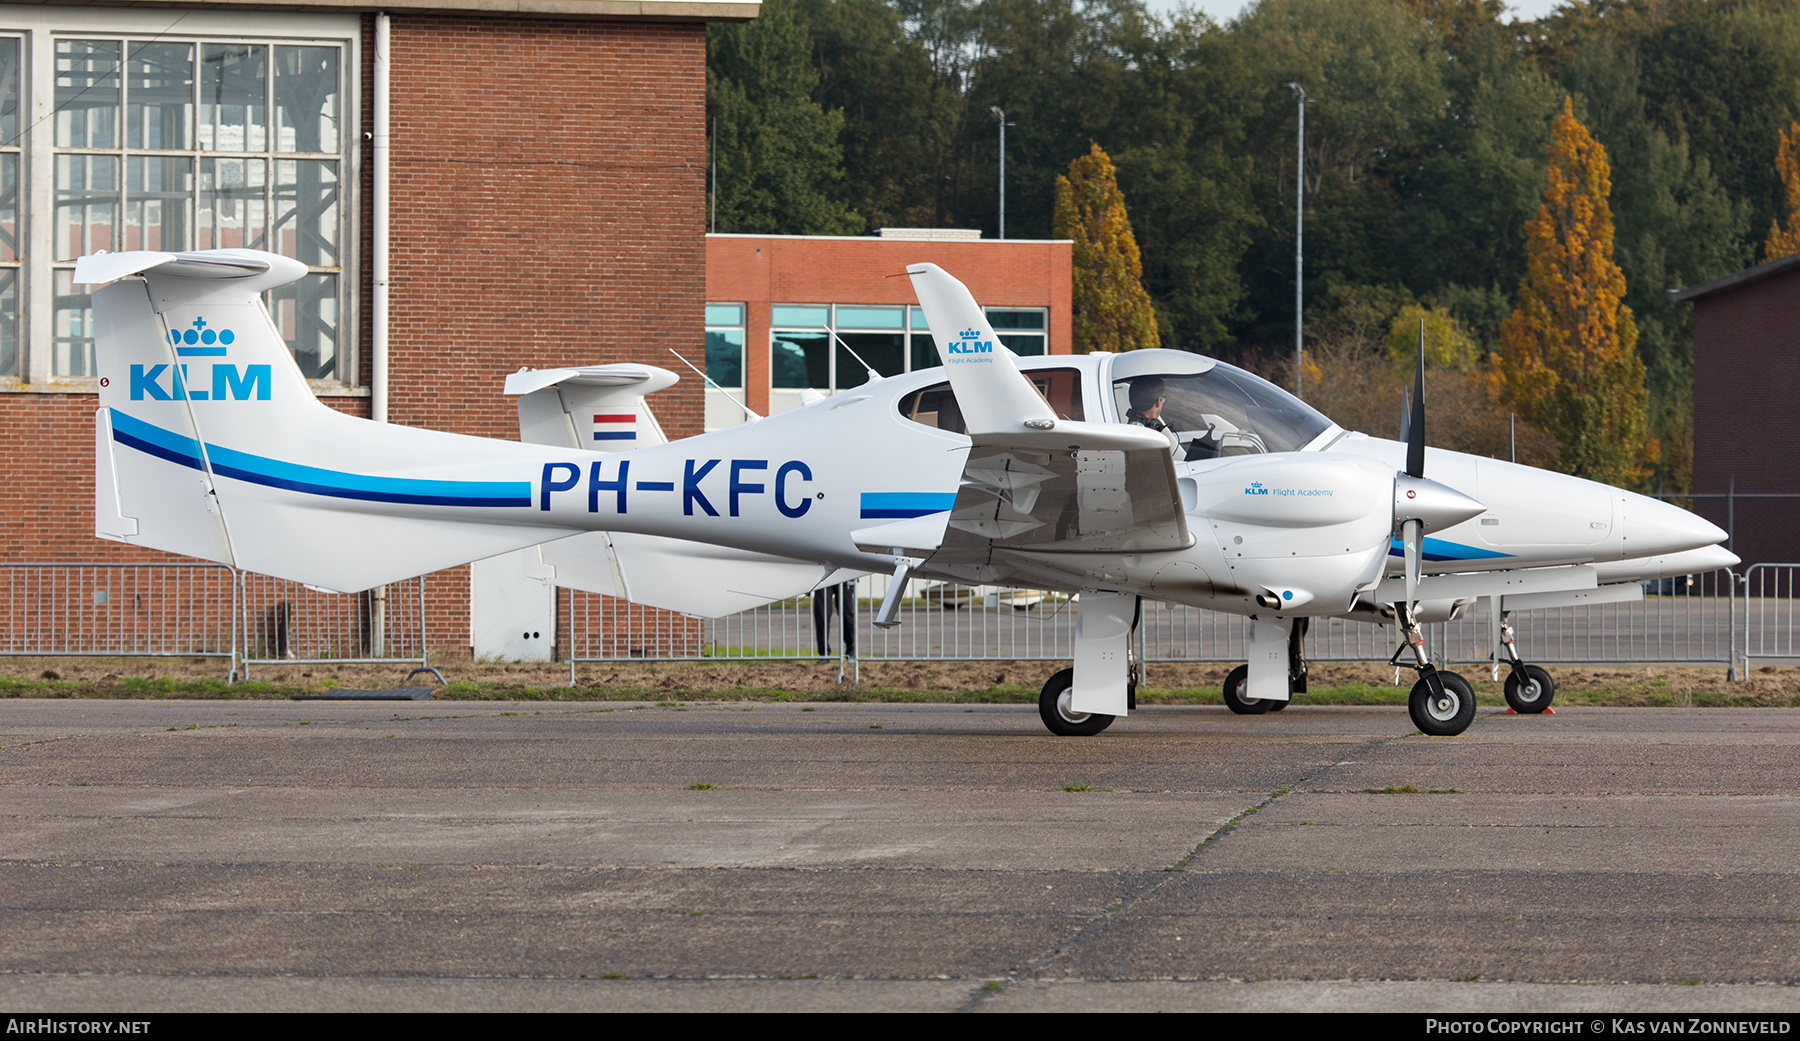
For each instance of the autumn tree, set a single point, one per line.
(1568, 359)
(1111, 311)
(1782, 241)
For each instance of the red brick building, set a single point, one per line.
(1746, 428)
(547, 207)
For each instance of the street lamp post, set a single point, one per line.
(1000, 114)
(1299, 233)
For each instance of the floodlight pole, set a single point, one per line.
(1299, 234)
(1000, 114)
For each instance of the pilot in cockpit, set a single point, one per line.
(1146, 400)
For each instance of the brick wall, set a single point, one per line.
(1746, 383)
(549, 190)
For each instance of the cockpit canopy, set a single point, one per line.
(1213, 408)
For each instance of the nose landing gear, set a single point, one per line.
(1442, 703)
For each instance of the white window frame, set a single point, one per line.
(39, 28)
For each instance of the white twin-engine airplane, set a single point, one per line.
(1153, 474)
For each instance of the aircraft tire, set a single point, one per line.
(1235, 683)
(1053, 708)
(1533, 696)
(1443, 720)
(1277, 706)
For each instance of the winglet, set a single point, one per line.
(994, 396)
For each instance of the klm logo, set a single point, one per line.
(227, 382)
(969, 342)
(1256, 488)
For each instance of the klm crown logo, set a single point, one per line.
(1256, 488)
(969, 341)
(186, 339)
(226, 382)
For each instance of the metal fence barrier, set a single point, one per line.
(206, 610)
(119, 611)
(284, 622)
(1771, 611)
(1686, 620)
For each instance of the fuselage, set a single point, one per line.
(1280, 502)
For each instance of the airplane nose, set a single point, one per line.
(1651, 526)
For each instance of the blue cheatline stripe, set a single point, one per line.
(906, 504)
(1442, 549)
(200, 352)
(273, 473)
(615, 435)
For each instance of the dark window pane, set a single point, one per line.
(885, 351)
(9, 322)
(232, 78)
(924, 352)
(725, 357)
(9, 91)
(72, 319)
(159, 191)
(306, 211)
(87, 94)
(9, 206)
(1023, 344)
(307, 101)
(87, 204)
(800, 359)
(159, 87)
(233, 204)
(306, 313)
(1003, 318)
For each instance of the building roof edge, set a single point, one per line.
(598, 10)
(1745, 277)
(878, 238)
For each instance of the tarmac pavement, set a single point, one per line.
(188, 855)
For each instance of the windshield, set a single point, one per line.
(1222, 411)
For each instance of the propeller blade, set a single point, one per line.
(1415, 426)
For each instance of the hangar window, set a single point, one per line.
(198, 138)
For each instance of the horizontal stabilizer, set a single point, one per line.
(597, 408)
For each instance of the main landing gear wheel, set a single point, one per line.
(1054, 706)
(1531, 696)
(1235, 684)
(1447, 715)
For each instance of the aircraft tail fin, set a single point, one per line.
(210, 443)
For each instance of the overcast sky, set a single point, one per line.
(1225, 10)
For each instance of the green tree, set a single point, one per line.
(777, 150)
(1111, 311)
(1568, 358)
(900, 114)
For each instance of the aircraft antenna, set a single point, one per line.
(873, 375)
(715, 386)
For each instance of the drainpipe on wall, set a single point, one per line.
(378, 318)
